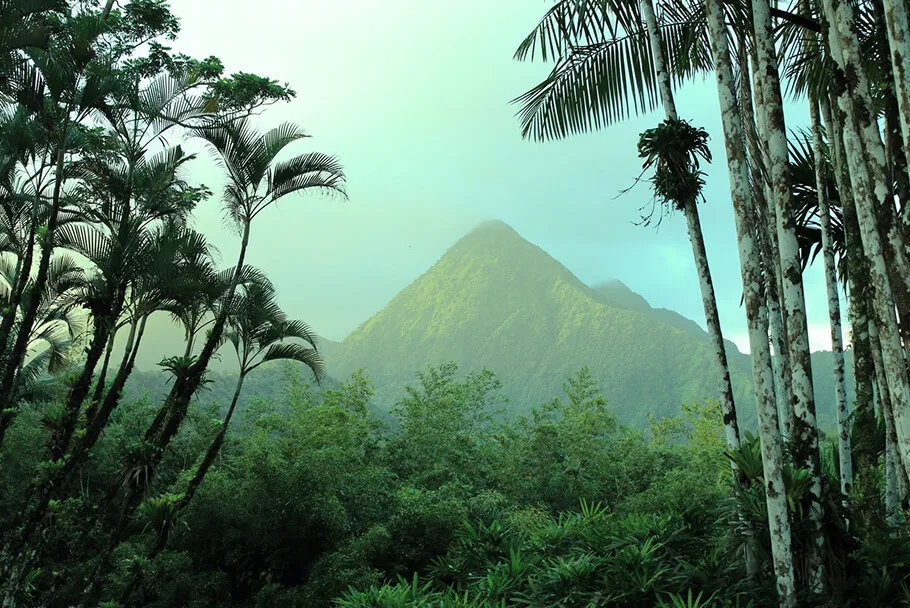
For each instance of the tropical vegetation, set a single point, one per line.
(309, 498)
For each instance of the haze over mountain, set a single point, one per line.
(496, 300)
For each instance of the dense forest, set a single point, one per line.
(309, 495)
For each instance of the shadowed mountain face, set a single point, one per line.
(495, 300)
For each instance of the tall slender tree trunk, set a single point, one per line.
(80, 452)
(17, 354)
(772, 457)
(897, 178)
(861, 131)
(102, 377)
(207, 461)
(696, 238)
(805, 432)
(865, 196)
(166, 426)
(834, 320)
(768, 242)
(104, 325)
(214, 447)
(892, 458)
(108, 7)
(864, 428)
(898, 28)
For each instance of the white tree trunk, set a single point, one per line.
(657, 56)
(770, 253)
(892, 458)
(696, 238)
(778, 518)
(844, 44)
(866, 197)
(834, 317)
(899, 40)
(805, 432)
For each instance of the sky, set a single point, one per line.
(413, 97)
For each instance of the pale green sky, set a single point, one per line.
(413, 96)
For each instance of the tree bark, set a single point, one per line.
(775, 493)
(834, 320)
(878, 275)
(102, 377)
(804, 437)
(839, 26)
(214, 447)
(864, 426)
(898, 29)
(770, 253)
(892, 458)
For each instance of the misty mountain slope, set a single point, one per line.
(495, 300)
(616, 293)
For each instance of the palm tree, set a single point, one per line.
(865, 452)
(256, 180)
(62, 86)
(557, 107)
(259, 333)
(772, 456)
(773, 130)
(821, 170)
(864, 159)
(768, 244)
(898, 29)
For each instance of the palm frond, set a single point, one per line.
(295, 352)
(573, 23)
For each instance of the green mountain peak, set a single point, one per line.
(496, 300)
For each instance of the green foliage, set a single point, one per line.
(315, 502)
(674, 150)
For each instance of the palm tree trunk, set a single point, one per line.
(898, 27)
(805, 432)
(214, 447)
(79, 454)
(102, 375)
(861, 127)
(108, 7)
(113, 396)
(892, 459)
(878, 275)
(208, 460)
(167, 423)
(696, 238)
(783, 390)
(897, 179)
(865, 452)
(104, 326)
(834, 320)
(11, 363)
(772, 456)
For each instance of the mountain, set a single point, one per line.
(495, 300)
(615, 293)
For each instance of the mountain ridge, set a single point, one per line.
(493, 293)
